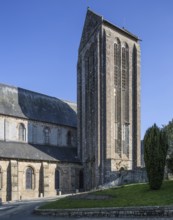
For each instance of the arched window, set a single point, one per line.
(69, 136)
(125, 98)
(0, 178)
(29, 178)
(125, 66)
(57, 179)
(117, 94)
(46, 135)
(117, 62)
(22, 132)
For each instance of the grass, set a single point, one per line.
(129, 195)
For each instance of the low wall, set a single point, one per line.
(126, 177)
(155, 211)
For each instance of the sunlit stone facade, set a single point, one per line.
(108, 100)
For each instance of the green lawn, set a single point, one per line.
(129, 195)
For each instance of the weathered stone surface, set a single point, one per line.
(144, 211)
(39, 132)
(108, 100)
(14, 179)
(33, 148)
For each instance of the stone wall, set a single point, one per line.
(108, 101)
(58, 135)
(122, 177)
(115, 135)
(155, 211)
(14, 179)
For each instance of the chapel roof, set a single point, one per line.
(25, 151)
(27, 104)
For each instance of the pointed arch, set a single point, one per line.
(117, 92)
(125, 65)
(125, 98)
(117, 62)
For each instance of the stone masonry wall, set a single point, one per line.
(58, 135)
(14, 179)
(108, 113)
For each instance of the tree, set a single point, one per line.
(155, 151)
(169, 163)
(169, 131)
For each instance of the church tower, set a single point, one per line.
(108, 81)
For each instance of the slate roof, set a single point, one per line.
(23, 103)
(15, 150)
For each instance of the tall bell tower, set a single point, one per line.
(108, 87)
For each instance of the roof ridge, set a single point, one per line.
(34, 92)
(23, 103)
(116, 26)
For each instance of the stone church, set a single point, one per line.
(50, 146)
(38, 153)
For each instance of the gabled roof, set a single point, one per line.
(93, 21)
(23, 103)
(121, 30)
(24, 151)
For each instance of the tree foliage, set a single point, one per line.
(170, 163)
(155, 151)
(169, 131)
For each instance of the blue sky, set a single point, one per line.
(39, 41)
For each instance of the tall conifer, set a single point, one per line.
(155, 151)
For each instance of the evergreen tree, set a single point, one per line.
(169, 131)
(155, 151)
(170, 163)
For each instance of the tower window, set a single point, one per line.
(123, 68)
(117, 62)
(117, 92)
